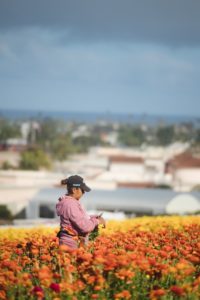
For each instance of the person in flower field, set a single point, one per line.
(75, 223)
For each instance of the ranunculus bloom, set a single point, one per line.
(177, 290)
(157, 293)
(37, 289)
(55, 287)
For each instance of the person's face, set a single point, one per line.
(77, 193)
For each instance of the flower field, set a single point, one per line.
(143, 258)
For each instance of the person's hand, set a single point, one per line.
(102, 221)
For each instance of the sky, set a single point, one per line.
(119, 56)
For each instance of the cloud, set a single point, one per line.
(37, 70)
(36, 52)
(109, 55)
(171, 22)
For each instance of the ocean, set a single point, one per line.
(93, 117)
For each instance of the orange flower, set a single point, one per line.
(35, 250)
(194, 259)
(124, 273)
(79, 285)
(47, 258)
(45, 275)
(150, 247)
(197, 281)
(156, 294)
(163, 254)
(123, 295)
(94, 296)
(152, 261)
(97, 288)
(99, 259)
(91, 279)
(66, 248)
(3, 295)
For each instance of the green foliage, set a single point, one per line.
(48, 132)
(8, 130)
(5, 213)
(83, 143)
(61, 147)
(94, 234)
(54, 138)
(165, 135)
(6, 165)
(34, 159)
(184, 132)
(131, 136)
(163, 186)
(197, 137)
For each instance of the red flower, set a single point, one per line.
(37, 289)
(55, 287)
(177, 290)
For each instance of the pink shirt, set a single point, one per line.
(73, 215)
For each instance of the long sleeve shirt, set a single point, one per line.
(73, 216)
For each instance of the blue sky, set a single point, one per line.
(117, 56)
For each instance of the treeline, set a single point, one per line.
(48, 139)
(161, 135)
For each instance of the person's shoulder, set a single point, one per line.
(68, 200)
(61, 198)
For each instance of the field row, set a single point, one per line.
(144, 258)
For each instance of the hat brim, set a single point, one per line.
(85, 187)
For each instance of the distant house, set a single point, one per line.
(16, 144)
(13, 144)
(185, 171)
(109, 137)
(124, 159)
(139, 167)
(127, 171)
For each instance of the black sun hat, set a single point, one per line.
(76, 181)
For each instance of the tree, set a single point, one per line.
(165, 135)
(131, 136)
(8, 130)
(5, 213)
(62, 147)
(83, 143)
(34, 159)
(6, 165)
(197, 137)
(48, 132)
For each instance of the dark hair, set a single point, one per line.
(64, 181)
(69, 187)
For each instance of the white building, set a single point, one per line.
(129, 201)
(185, 171)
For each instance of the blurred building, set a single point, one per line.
(116, 175)
(122, 200)
(185, 171)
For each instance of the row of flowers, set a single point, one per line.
(144, 258)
